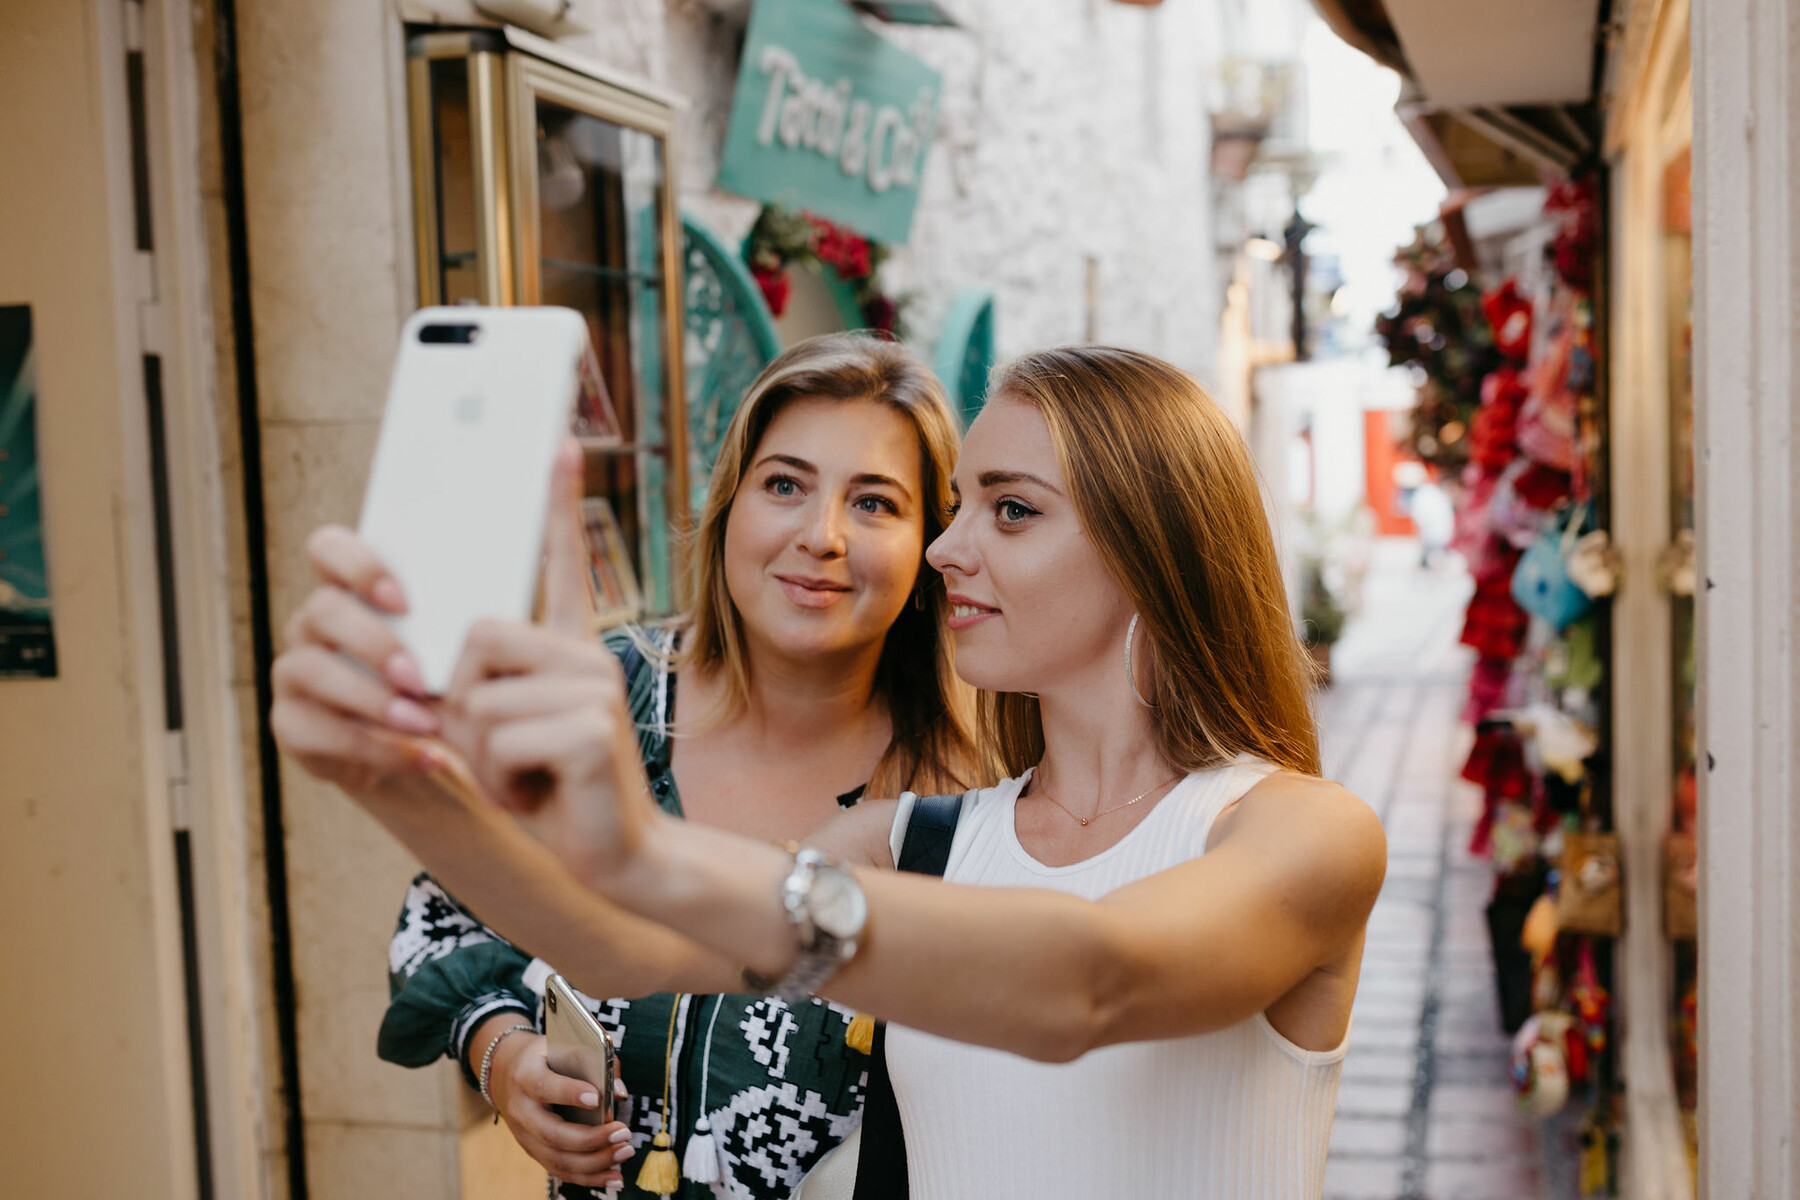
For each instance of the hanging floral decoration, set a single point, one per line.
(1576, 206)
(783, 237)
(1439, 330)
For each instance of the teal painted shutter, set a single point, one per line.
(730, 338)
(965, 351)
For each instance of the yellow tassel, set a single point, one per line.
(860, 1037)
(661, 1174)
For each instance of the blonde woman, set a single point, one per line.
(1138, 976)
(813, 666)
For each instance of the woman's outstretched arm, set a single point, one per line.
(1285, 888)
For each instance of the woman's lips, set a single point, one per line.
(966, 614)
(812, 593)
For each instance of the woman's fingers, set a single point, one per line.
(497, 648)
(570, 1137)
(343, 559)
(568, 602)
(329, 745)
(519, 697)
(336, 619)
(594, 1169)
(524, 760)
(584, 1170)
(331, 681)
(548, 1087)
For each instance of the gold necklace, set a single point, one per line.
(1101, 813)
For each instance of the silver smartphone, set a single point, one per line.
(576, 1046)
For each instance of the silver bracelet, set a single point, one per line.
(487, 1058)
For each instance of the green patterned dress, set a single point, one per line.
(781, 1087)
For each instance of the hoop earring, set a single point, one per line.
(1131, 632)
(918, 599)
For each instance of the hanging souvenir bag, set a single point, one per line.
(1680, 884)
(1547, 425)
(1595, 564)
(1589, 899)
(1541, 582)
(1539, 1064)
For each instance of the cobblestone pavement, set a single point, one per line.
(1425, 1110)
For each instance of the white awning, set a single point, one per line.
(1498, 52)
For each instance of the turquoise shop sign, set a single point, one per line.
(830, 117)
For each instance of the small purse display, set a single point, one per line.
(1541, 583)
(1589, 900)
(1681, 918)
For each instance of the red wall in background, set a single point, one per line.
(1381, 452)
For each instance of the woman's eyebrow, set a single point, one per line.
(799, 464)
(997, 478)
(883, 481)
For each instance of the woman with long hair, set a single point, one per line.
(813, 666)
(1137, 977)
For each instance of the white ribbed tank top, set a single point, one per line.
(1240, 1114)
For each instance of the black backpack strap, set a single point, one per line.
(930, 831)
(881, 1166)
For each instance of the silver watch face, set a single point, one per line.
(837, 905)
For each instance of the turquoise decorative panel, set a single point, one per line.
(830, 117)
(965, 351)
(730, 338)
(27, 639)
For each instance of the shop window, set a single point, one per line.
(538, 183)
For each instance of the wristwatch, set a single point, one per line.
(826, 909)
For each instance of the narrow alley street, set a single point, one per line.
(1425, 1109)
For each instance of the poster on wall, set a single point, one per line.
(27, 639)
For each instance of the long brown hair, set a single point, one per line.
(1166, 489)
(931, 710)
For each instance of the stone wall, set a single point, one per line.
(1068, 131)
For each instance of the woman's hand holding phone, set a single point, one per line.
(524, 1089)
(535, 714)
(349, 702)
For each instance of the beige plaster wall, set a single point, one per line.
(95, 1101)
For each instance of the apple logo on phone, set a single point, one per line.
(467, 409)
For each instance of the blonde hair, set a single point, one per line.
(1167, 491)
(931, 710)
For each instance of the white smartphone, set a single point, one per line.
(460, 487)
(575, 1045)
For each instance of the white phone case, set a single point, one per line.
(460, 486)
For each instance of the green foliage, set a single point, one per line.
(1322, 618)
(1437, 327)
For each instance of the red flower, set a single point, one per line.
(842, 250)
(1577, 207)
(1509, 314)
(1542, 487)
(775, 288)
(1495, 625)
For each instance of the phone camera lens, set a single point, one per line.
(453, 335)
